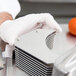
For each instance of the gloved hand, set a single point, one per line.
(11, 30)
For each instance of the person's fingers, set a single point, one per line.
(3, 45)
(47, 21)
(51, 23)
(56, 26)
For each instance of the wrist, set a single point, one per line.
(4, 16)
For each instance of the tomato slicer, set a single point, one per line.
(36, 52)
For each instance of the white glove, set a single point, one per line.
(11, 30)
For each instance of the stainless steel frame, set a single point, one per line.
(65, 42)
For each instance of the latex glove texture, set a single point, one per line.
(10, 30)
